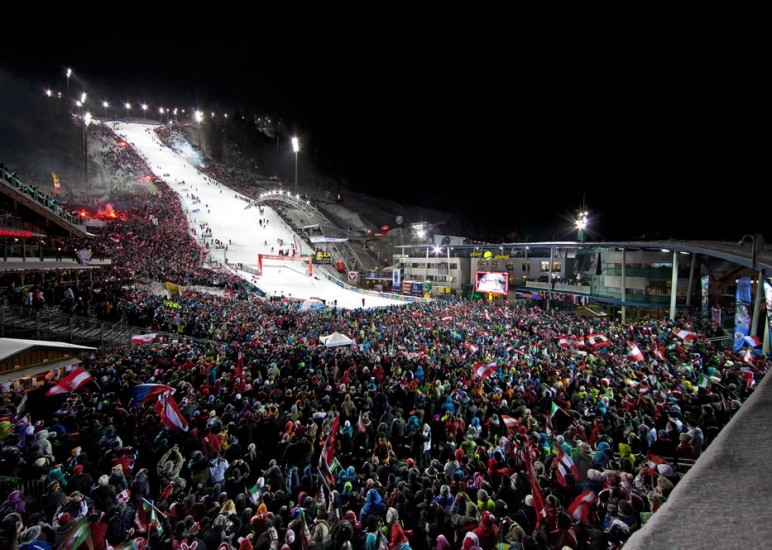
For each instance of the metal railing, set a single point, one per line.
(48, 324)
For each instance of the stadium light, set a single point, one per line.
(128, 107)
(105, 105)
(581, 225)
(296, 149)
(68, 74)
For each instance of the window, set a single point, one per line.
(544, 266)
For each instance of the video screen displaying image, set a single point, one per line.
(491, 281)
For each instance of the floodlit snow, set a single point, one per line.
(237, 226)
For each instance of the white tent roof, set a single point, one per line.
(336, 339)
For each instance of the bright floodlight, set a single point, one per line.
(87, 118)
(295, 145)
(199, 116)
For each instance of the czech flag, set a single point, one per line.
(145, 393)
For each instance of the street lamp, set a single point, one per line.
(144, 110)
(128, 106)
(105, 105)
(296, 148)
(757, 241)
(69, 74)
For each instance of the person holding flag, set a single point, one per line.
(76, 378)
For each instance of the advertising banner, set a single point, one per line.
(705, 295)
(742, 316)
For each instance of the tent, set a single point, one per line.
(336, 339)
(312, 304)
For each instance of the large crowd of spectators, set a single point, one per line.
(445, 425)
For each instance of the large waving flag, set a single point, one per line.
(144, 338)
(77, 377)
(509, 421)
(598, 341)
(167, 409)
(471, 347)
(79, 536)
(564, 465)
(686, 335)
(538, 499)
(456, 335)
(240, 364)
(145, 393)
(752, 341)
(581, 507)
(327, 456)
(633, 352)
(483, 370)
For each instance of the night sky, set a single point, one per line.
(655, 139)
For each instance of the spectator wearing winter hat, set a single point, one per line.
(374, 505)
(396, 536)
(103, 495)
(526, 515)
(487, 532)
(565, 534)
(11, 527)
(80, 480)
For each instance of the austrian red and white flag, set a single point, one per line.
(658, 353)
(753, 341)
(598, 341)
(563, 342)
(564, 465)
(484, 370)
(633, 352)
(581, 508)
(77, 377)
(143, 338)
(686, 335)
(167, 409)
(471, 347)
(509, 421)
